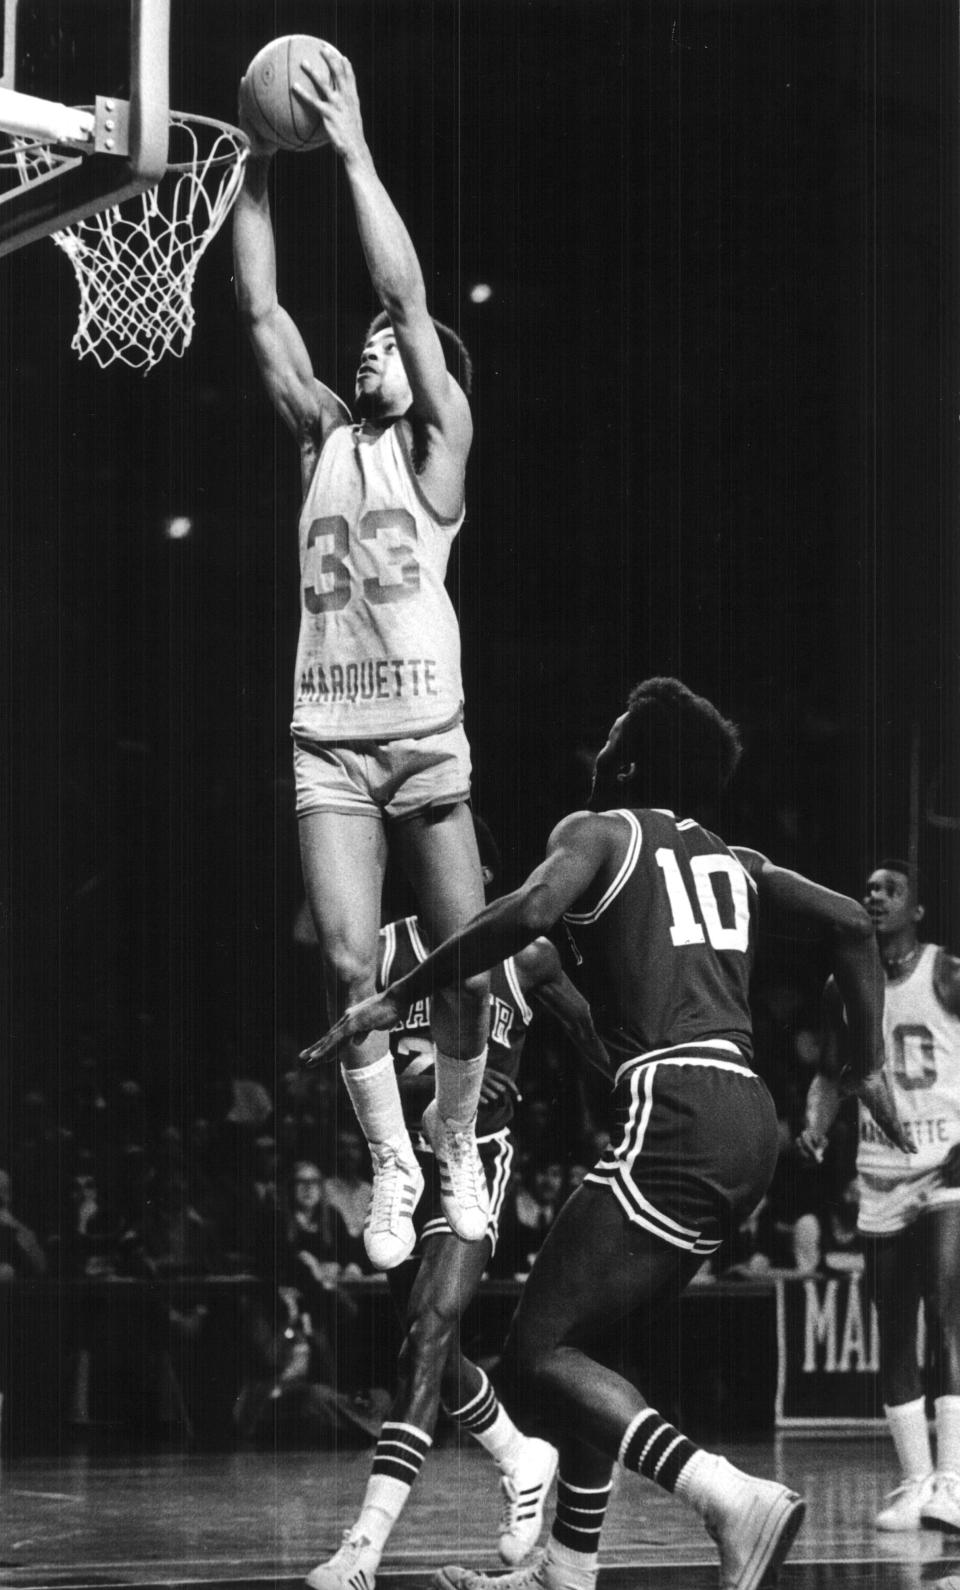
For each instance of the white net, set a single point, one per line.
(135, 263)
(25, 162)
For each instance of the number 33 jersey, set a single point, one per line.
(666, 952)
(922, 1044)
(379, 650)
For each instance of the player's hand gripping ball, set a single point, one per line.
(269, 108)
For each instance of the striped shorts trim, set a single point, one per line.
(615, 1170)
(496, 1153)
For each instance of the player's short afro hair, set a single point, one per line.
(458, 360)
(683, 750)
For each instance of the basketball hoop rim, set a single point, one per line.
(241, 143)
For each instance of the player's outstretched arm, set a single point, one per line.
(854, 954)
(543, 978)
(576, 851)
(824, 1095)
(392, 261)
(859, 978)
(306, 406)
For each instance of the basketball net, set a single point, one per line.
(135, 263)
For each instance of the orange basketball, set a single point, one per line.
(269, 104)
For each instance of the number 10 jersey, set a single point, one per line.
(379, 650)
(666, 952)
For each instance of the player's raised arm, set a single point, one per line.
(576, 852)
(307, 407)
(394, 268)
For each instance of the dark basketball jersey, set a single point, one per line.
(411, 1043)
(665, 954)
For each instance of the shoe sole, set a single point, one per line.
(941, 1524)
(779, 1531)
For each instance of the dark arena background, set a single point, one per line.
(716, 419)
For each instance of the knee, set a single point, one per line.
(350, 970)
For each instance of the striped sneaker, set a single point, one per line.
(525, 1490)
(902, 1510)
(353, 1567)
(388, 1233)
(463, 1185)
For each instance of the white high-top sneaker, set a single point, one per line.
(525, 1489)
(388, 1233)
(463, 1185)
(902, 1508)
(754, 1526)
(353, 1567)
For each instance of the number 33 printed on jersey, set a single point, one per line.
(376, 524)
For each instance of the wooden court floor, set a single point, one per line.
(262, 1518)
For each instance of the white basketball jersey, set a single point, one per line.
(922, 1048)
(379, 650)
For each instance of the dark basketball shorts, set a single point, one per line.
(695, 1145)
(496, 1156)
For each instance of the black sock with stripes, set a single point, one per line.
(653, 1448)
(579, 1517)
(400, 1452)
(486, 1419)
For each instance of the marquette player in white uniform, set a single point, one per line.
(664, 917)
(909, 1216)
(378, 739)
(432, 1291)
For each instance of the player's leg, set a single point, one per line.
(438, 848)
(894, 1283)
(940, 1228)
(597, 1268)
(343, 859)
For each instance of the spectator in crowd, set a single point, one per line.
(86, 1242)
(347, 1195)
(21, 1255)
(531, 1206)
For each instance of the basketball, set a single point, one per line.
(269, 104)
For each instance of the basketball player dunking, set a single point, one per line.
(379, 744)
(664, 918)
(909, 1216)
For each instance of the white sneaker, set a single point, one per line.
(388, 1233)
(540, 1573)
(941, 1510)
(902, 1509)
(353, 1567)
(754, 1527)
(463, 1185)
(525, 1489)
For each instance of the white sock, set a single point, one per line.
(580, 1567)
(911, 1438)
(458, 1087)
(706, 1481)
(947, 1410)
(375, 1096)
(383, 1502)
(487, 1420)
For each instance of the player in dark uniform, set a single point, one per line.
(664, 916)
(432, 1289)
